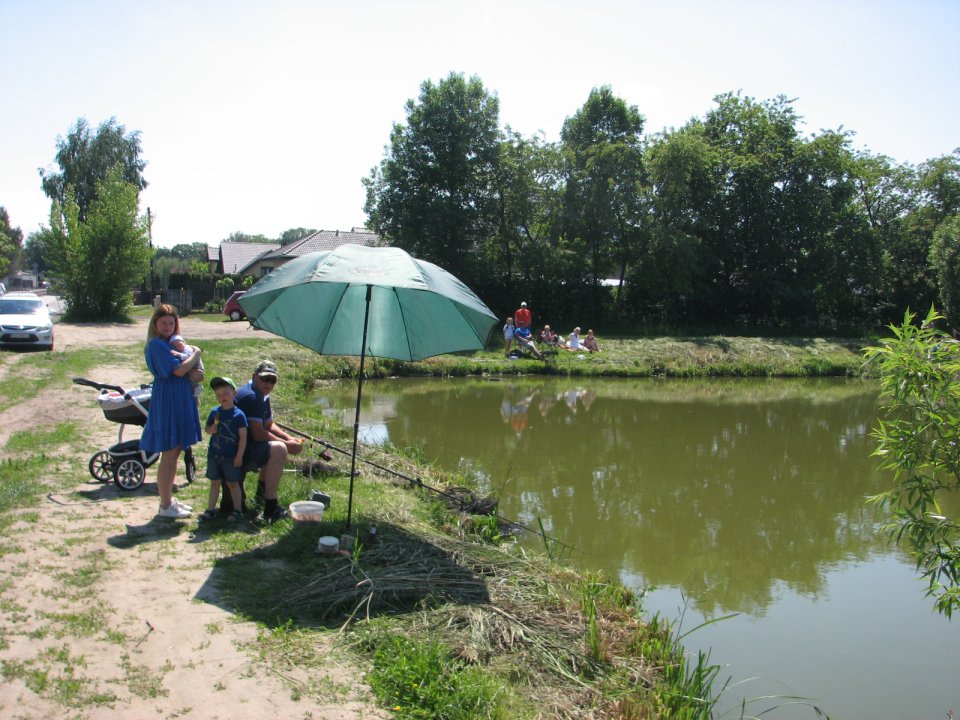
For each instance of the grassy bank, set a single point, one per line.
(449, 617)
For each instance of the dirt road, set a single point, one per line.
(69, 336)
(107, 612)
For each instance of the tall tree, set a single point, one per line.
(432, 194)
(294, 234)
(85, 158)
(603, 205)
(239, 236)
(37, 250)
(524, 251)
(945, 263)
(11, 243)
(100, 258)
(675, 269)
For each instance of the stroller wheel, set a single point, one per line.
(101, 466)
(191, 464)
(129, 474)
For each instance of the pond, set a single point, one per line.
(719, 497)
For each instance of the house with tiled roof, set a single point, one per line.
(213, 259)
(320, 241)
(233, 257)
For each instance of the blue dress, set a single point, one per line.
(174, 419)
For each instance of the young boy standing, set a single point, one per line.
(227, 427)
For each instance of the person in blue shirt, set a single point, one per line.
(174, 419)
(269, 446)
(525, 340)
(227, 428)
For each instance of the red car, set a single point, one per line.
(232, 307)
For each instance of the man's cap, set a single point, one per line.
(266, 367)
(523, 304)
(221, 381)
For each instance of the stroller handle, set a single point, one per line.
(97, 386)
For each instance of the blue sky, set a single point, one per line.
(262, 116)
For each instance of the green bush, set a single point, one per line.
(423, 681)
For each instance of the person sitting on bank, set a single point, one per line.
(525, 340)
(573, 342)
(590, 342)
(548, 336)
(268, 446)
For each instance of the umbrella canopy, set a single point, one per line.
(358, 300)
(416, 309)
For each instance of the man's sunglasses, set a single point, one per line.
(268, 379)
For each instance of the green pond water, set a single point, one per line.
(718, 497)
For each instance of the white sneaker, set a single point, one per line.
(174, 511)
(183, 506)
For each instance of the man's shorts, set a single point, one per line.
(219, 468)
(256, 455)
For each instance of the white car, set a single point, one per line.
(25, 321)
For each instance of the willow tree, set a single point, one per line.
(918, 442)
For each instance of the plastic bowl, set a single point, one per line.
(307, 510)
(328, 545)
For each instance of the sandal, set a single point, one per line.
(207, 515)
(235, 516)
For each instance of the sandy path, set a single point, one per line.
(106, 612)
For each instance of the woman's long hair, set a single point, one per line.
(162, 311)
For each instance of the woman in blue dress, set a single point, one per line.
(174, 420)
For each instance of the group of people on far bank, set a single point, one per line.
(517, 329)
(243, 436)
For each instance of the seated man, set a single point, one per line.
(524, 340)
(548, 336)
(268, 446)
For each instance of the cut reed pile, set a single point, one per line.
(495, 605)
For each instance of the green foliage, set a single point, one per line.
(294, 234)
(11, 243)
(918, 441)
(85, 160)
(687, 688)
(246, 237)
(945, 261)
(423, 680)
(100, 258)
(37, 250)
(604, 208)
(736, 222)
(432, 194)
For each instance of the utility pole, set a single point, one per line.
(150, 238)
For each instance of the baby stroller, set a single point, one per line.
(125, 463)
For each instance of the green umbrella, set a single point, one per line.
(357, 300)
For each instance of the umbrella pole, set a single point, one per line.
(356, 419)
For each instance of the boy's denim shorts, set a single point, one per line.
(223, 469)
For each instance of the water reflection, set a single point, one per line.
(740, 496)
(724, 489)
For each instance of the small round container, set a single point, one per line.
(328, 545)
(307, 510)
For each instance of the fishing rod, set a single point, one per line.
(417, 482)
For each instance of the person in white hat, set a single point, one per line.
(521, 318)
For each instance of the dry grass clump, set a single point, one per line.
(495, 606)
